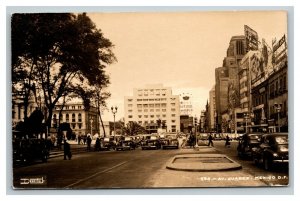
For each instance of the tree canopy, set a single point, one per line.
(60, 53)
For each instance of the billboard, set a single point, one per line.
(280, 53)
(251, 38)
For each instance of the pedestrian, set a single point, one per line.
(227, 141)
(210, 140)
(89, 141)
(67, 150)
(84, 139)
(97, 144)
(79, 139)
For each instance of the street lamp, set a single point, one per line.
(114, 111)
(196, 143)
(246, 116)
(278, 108)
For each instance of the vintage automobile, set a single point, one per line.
(169, 141)
(272, 150)
(151, 142)
(126, 143)
(108, 143)
(246, 143)
(26, 151)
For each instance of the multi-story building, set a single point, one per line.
(212, 110)
(81, 121)
(221, 92)
(227, 81)
(152, 103)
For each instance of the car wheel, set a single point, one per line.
(267, 164)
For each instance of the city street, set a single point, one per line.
(141, 169)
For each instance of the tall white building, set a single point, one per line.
(152, 103)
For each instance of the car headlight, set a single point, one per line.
(275, 154)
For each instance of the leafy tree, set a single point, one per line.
(133, 128)
(61, 53)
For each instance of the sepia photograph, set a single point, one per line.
(149, 100)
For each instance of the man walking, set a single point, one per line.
(67, 150)
(210, 140)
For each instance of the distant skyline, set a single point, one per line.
(177, 49)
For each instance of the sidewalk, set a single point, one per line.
(75, 148)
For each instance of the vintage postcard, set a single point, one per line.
(137, 100)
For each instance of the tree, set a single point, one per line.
(61, 53)
(133, 128)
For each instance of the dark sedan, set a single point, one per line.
(274, 149)
(126, 144)
(152, 142)
(247, 143)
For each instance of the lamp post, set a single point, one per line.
(114, 111)
(196, 143)
(278, 108)
(246, 116)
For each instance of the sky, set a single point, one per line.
(177, 49)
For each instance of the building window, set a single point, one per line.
(129, 105)
(129, 100)
(79, 117)
(67, 118)
(173, 115)
(129, 116)
(140, 122)
(151, 105)
(130, 111)
(164, 105)
(145, 116)
(145, 110)
(67, 107)
(73, 107)
(284, 83)
(73, 117)
(173, 109)
(79, 107)
(163, 110)
(139, 99)
(139, 106)
(158, 116)
(151, 110)
(173, 121)
(140, 110)
(145, 105)
(140, 116)
(163, 115)
(172, 104)
(152, 116)
(157, 110)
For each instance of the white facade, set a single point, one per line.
(81, 121)
(151, 103)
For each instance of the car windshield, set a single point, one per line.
(254, 137)
(281, 139)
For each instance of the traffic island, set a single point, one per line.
(202, 163)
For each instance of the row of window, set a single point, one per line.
(278, 87)
(73, 107)
(67, 117)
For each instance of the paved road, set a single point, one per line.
(137, 169)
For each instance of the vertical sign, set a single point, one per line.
(251, 38)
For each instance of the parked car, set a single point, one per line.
(127, 143)
(170, 141)
(108, 143)
(274, 149)
(247, 142)
(151, 142)
(29, 150)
